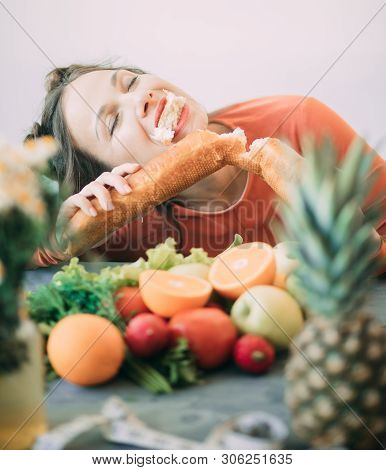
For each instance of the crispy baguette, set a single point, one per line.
(198, 155)
(279, 165)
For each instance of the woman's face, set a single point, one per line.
(126, 110)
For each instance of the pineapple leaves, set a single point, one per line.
(336, 248)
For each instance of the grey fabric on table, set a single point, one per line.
(190, 412)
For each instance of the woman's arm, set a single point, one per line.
(56, 252)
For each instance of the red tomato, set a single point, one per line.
(129, 302)
(210, 333)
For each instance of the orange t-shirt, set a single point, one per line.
(253, 216)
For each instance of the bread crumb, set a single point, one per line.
(164, 132)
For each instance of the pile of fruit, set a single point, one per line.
(164, 320)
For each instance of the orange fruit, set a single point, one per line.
(85, 349)
(166, 293)
(243, 266)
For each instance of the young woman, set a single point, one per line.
(103, 117)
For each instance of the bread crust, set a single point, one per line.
(275, 162)
(193, 158)
(198, 155)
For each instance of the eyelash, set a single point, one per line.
(117, 117)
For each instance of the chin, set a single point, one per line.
(197, 120)
(201, 117)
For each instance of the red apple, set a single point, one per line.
(146, 334)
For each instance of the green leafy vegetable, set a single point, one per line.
(124, 275)
(164, 255)
(72, 290)
(175, 367)
(178, 364)
(198, 255)
(145, 375)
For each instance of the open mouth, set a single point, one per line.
(169, 118)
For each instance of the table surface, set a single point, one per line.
(190, 412)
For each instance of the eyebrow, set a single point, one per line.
(102, 109)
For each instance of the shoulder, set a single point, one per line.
(275, 108)
(275, 115)
(270, 100)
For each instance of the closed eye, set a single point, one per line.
(117, 117)
(132, 82)
(114, 124)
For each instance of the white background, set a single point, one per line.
(219, 51)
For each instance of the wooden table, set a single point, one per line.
(190, 412)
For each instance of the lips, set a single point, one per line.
(159, 110)
(182, 120)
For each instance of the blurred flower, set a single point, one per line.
(37, 152)
(19, 185)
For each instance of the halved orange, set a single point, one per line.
(166, 293)
(241, 267)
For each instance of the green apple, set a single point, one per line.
(270, 312)
(200, 270)
(285, 264)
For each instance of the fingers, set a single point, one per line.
(100, 192)
(126, 169)
(86, 206)
(72, 204)
(116, 181)
(97, 188)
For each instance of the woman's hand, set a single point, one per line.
(99, 189)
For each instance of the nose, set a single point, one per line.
(145, 104)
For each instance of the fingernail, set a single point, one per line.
(126, 189)
(110, 206)
(93, 212)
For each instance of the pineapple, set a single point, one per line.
(336, 374)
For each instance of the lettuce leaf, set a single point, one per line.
(123, 275)
(198, 255)
(164, 255)
(71, 271)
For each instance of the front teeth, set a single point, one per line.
(164, 132)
